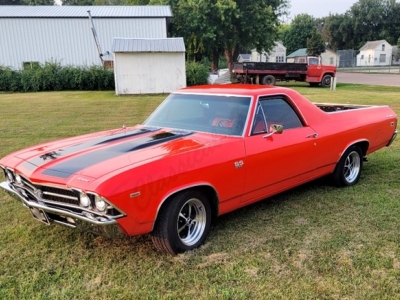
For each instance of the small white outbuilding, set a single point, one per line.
(149, 66)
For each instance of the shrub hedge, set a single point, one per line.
(53, 77)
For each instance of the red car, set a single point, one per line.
(205, 151)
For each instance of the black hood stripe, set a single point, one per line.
(71, 166)
(43, 159)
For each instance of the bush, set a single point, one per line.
(53, 77)
(196, 73)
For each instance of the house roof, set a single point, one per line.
(370, 45)
(148, 45)
(107, 11)
(245, 56)
(299, 52)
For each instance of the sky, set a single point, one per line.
(319, 8)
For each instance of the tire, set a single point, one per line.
(183, 223)
(268, 80)
(326, 81)
(348, 169)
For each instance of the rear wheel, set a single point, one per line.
(183, 223)
(326, 81)
(348, 169)
(268, 80)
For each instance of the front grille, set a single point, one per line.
(50, 193)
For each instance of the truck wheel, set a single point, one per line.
(348, 169)
(183, 223)
(326, 81)
(268, 80)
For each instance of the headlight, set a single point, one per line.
(10, 175)
(101, 205)
(18, 179)
(84, 200)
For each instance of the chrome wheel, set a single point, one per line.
(348, 169)
(352, 167)
(183, 222)
(191, 222)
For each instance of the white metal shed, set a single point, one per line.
(63, 34)
(149, 66)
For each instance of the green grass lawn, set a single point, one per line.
(312, 242)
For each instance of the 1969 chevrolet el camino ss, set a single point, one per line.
(205, 151)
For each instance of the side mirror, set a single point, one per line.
(274, 129)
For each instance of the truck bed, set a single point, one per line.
(261, 66)
(329, 107)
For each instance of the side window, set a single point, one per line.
(313, 61)
(259, 122)
(278, 111)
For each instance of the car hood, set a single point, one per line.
(96, 155)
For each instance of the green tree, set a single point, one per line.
(77, 2)
(302, 28)
(12, 2)
(212, 28)
(315, 45)
(27, 2)
(374, 20)
(338, 32)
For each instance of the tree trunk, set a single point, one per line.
(230, 54)
(215, 60)
(229, 58)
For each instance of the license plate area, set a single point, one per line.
(40, 215)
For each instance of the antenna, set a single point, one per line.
(96, 39)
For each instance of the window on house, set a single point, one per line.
(27, 65)
(383, 47)
(108, 64)
(362, 56)
(382, 58)
(331, 62)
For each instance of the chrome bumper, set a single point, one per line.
(393, 138)
(81, 221)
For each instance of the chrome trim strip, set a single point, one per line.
(61, 196)
(45, 208)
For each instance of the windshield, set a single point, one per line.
(207, 113)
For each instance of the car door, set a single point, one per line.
(279, 161)
(313, 69)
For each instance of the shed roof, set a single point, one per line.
(148, 45)
(299, 52)
(371, 45)
(106, 11)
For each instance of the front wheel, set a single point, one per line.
(326, 81)
(183, 223)
(348, 169)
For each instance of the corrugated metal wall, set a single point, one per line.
(68, 40)
(148, 73)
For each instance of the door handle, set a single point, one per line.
(313, 135)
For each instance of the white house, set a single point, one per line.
(37, 34)
(277, 54)
(375, 53)
(149, 66)
(329, 57)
